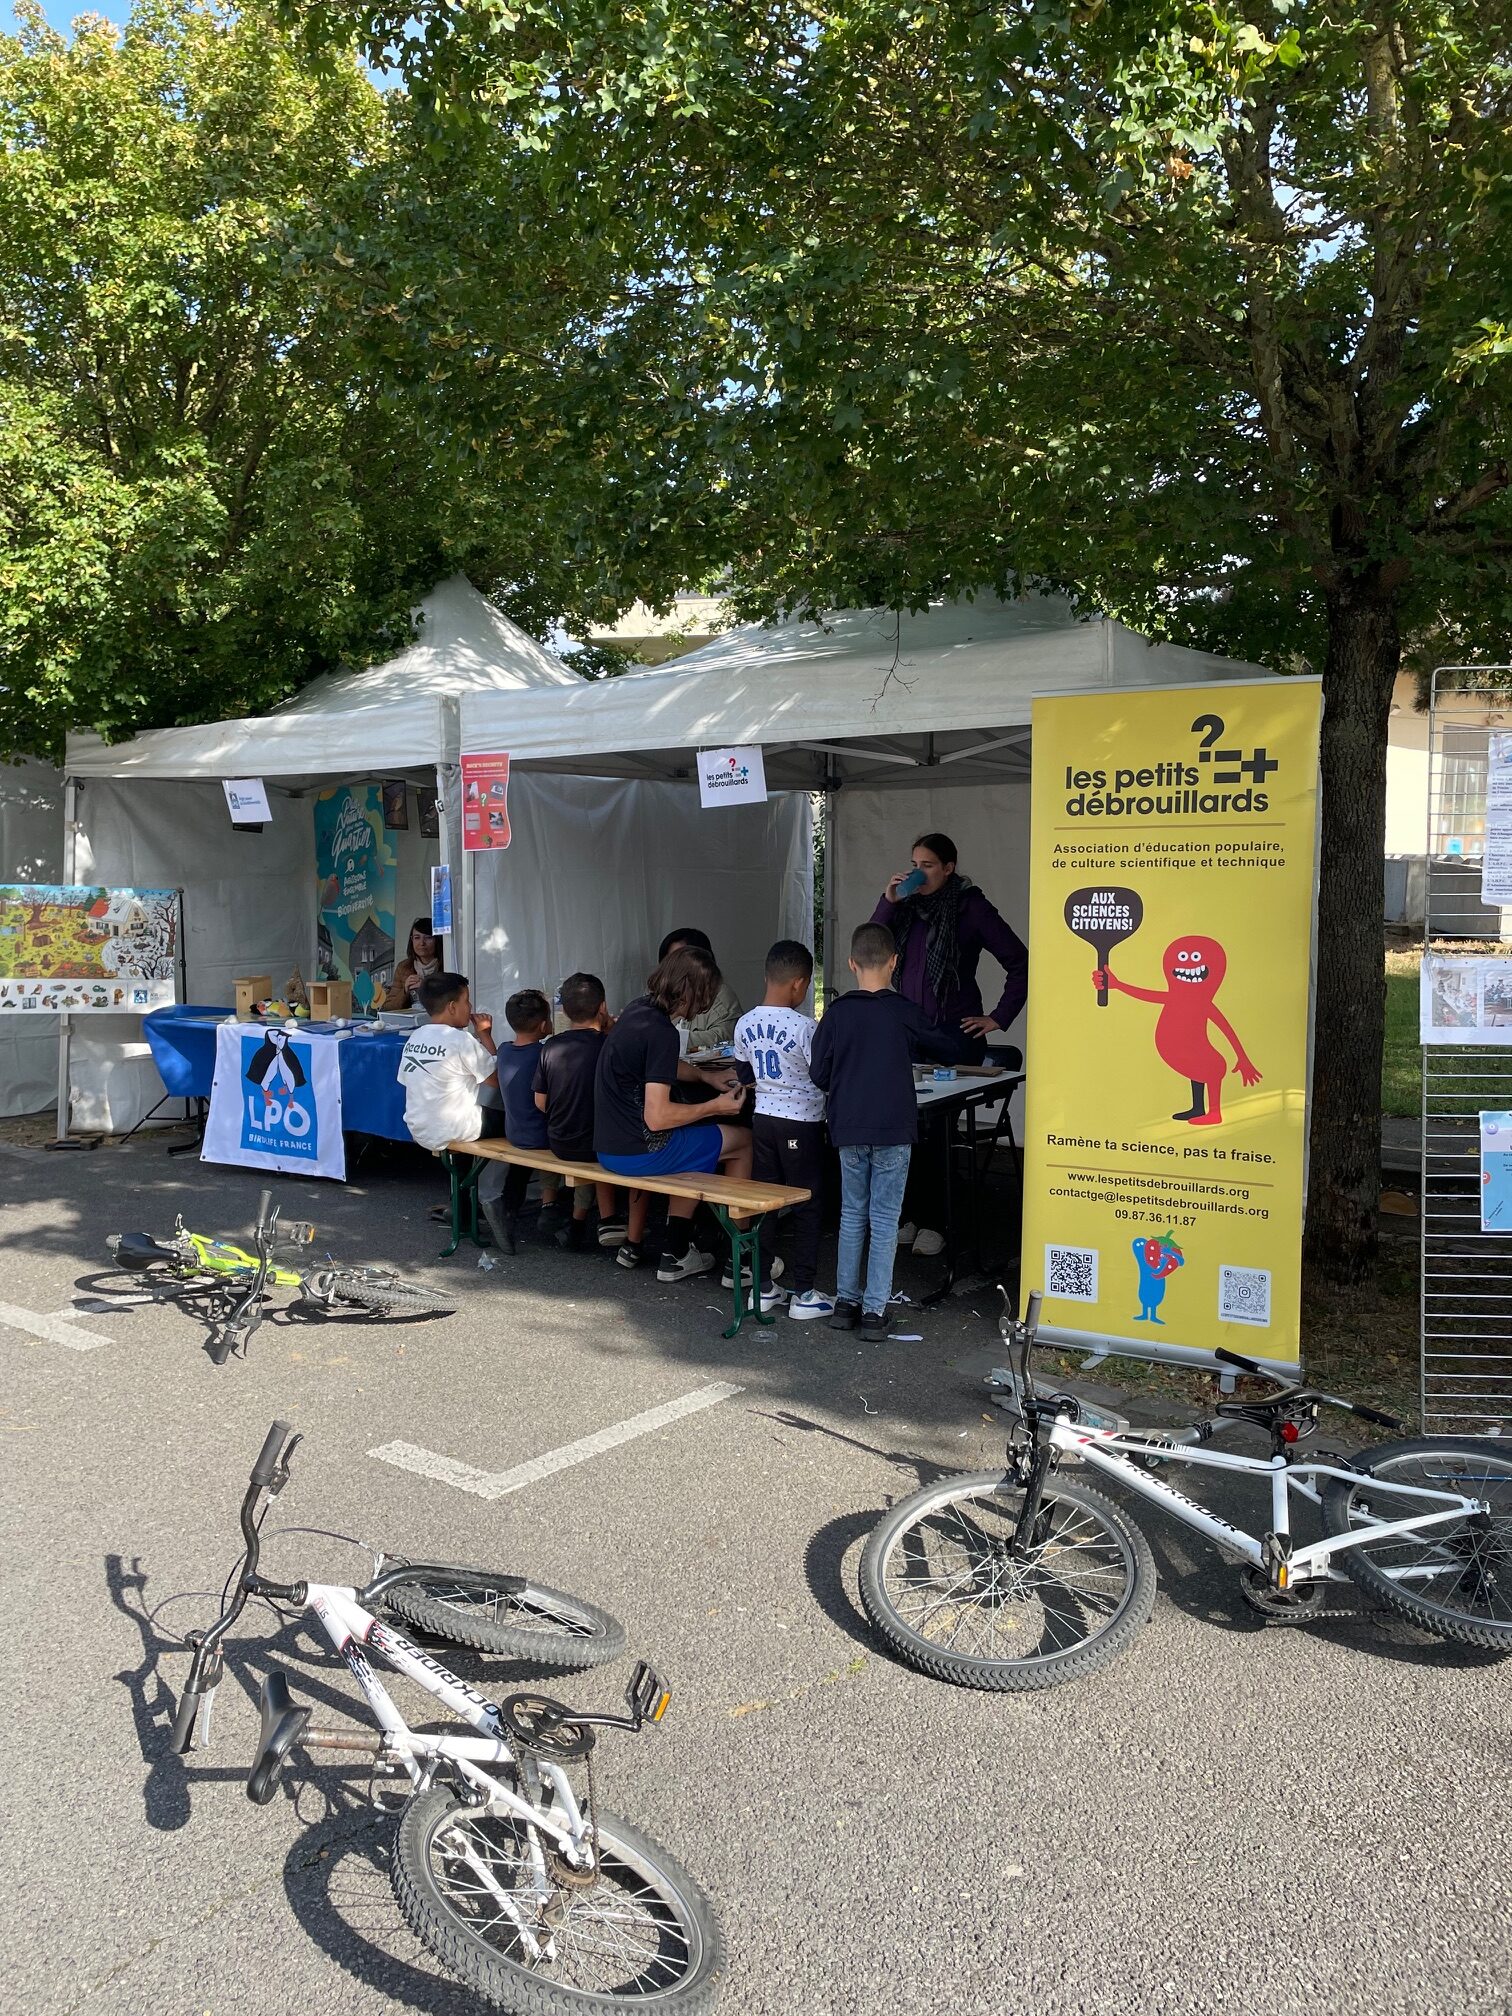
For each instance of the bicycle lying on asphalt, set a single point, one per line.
(240, 1281)
(1027, 1577)
(530, 1894)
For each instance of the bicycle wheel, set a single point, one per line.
(644, 1933)
(1454, 1579)
(938, 1583)
(546, 1626)
(384, 1294)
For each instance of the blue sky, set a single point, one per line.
(61, 12)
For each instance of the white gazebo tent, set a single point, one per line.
(591, 879)
(906, 723)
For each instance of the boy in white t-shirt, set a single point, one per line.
(775, 1040)
(446, 1063)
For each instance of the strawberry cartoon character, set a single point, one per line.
(1157, 1260)
(1194, 970)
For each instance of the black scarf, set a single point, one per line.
(940, 915)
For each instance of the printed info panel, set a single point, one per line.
(1171, 909)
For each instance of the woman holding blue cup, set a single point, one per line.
(942, 924)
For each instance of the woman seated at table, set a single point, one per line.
(713, 1026)
(640, 1130)
(421, 962)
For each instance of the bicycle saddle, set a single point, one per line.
(140, 1250)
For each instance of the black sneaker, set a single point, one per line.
(573, 1236)
(847, 1315)
(611, 1232)
(503, 1225)
(630, 1255)
(874, 1327)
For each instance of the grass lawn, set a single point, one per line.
(1401, 1067)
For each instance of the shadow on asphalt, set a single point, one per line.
(311, 1667)
(339, 1888)
(543, 1299)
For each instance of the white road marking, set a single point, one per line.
(499, 1483)
(53, 1329)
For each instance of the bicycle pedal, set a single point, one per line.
(647, 1698)
(1275, 1554)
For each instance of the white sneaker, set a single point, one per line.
(907, 1232)
(772, 1298)
(928, 1243)
(692, 1262)
(727, 1279)
(810, 1304)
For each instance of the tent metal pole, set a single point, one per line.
(831, 855)
(65, 1021)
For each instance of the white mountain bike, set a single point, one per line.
(527, 1892)
(1026, 1577)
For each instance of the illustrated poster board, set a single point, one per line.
(1173, 867)
(85, 950)
(357, 874)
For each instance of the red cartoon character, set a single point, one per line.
(1194, 970)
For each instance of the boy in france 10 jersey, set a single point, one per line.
(775, 1040)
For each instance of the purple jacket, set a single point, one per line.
(981, 930)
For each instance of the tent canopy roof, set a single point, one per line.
(393, 717)
(880, 697)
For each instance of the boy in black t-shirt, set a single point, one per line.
(862, 1061)
(564, 1093)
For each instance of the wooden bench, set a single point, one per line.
(723, 1194)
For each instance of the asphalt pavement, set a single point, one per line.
(1231, 1817)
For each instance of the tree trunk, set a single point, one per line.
(1364, 653)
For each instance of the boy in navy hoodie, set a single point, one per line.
(862, 1061)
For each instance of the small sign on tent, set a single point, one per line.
(485, 802)
(731, 777)
(441, 900)
(246, 800)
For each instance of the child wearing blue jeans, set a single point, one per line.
(863, 1056)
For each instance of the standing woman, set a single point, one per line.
(941, 928)
(421, 962)
(640, 1130)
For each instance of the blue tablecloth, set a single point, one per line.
(182, 1041)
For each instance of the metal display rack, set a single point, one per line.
(1466, 1276)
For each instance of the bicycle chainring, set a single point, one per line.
(545, 1727)
(1302, 1605)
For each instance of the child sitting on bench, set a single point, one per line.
(563, 1086)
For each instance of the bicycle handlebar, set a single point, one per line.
(205, 1668)
(267, 1458)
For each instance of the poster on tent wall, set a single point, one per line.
(1174, 853)
(357, 873)
(79, 950)
(275, 1102)
(485, 802)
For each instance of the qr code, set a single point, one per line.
(1071, 1273)
(1244, 1295)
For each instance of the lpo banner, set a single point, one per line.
(1174, 848)
(276, 1102)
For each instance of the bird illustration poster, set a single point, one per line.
(357, 881)
(1173, 870)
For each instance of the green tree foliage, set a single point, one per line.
(196, 511)
(1198, 310)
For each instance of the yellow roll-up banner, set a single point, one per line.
(1170, 962)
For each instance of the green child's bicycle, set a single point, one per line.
(238, 1281)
